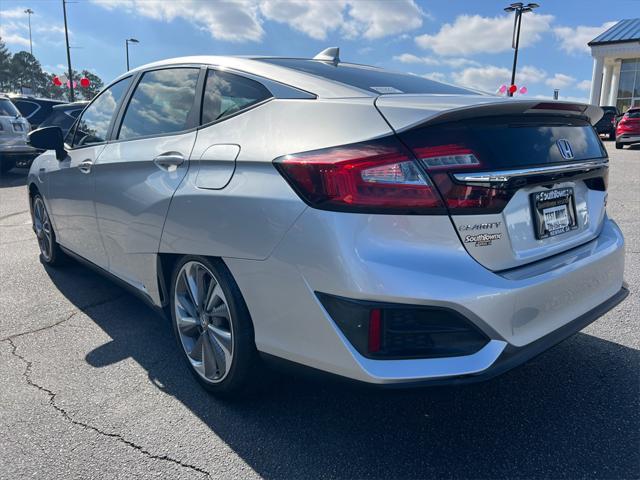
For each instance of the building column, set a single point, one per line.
(596, 81)
(606, 84)
(615, 79)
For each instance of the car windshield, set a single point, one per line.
(368, 78)
(8, 109)
(633, 114)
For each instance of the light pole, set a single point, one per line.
(29, 12)
(519, 8)
(66, 37)
(126, 45)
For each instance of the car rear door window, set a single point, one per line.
(226, 94)
(26, 108)
(93, 125)
(162, 103)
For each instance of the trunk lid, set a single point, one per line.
(522, 180)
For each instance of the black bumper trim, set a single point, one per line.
(512, 356)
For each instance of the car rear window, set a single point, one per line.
(368, 78)
(633, 114)
(8, 109)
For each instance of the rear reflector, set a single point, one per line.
(375, 330)
(374, 177)
(395, 331)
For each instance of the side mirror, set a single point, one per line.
(49, 138)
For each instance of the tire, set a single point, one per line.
(619, 145)
(227, 361)
(612, 135)
(50, 252)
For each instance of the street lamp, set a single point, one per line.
(519, 8)
(30, 12)
(126, 43)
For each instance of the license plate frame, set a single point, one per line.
(557, 205)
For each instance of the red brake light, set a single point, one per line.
(440, 160)
(567, 107)
(378, 177)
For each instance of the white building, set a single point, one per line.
(616, 65)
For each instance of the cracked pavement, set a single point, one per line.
(92, 386)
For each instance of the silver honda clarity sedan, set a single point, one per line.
(374, 225)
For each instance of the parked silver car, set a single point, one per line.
(14, 149)
(375, 225)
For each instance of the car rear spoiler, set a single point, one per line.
(406, 111)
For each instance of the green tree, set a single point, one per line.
(5, 66)
(26, 72)
(95, 85)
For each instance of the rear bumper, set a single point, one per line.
(628, 138)
(18, 152)
(419, 261)
(513, 357)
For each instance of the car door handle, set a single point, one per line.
(85, 166)
(169, 161)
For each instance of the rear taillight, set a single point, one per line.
(378, 177)
(442, 160)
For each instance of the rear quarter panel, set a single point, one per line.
(249, 216)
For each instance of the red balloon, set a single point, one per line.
(512, 89)
(84, 82)
(56, 81)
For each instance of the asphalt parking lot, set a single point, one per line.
(92, 387)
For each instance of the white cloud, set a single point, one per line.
(231, 20)
(437, 76)
(315, 19)
(490, 77)
(475, 34)
(377, 19)
(369, 19)
(14, 29)
(575, 39)
(451, 62)
(241, 20)
(584, 85)
(560, 80)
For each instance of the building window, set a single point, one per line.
(629, 86)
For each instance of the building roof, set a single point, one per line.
(624, 31)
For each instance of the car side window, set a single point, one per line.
(161, 103)
(26, 108)
(93, 125)
(226, 94)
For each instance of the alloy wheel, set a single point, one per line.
(203, 321)
(42, 227)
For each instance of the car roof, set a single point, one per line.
(70, 106)
(16, 96)
(322, 87)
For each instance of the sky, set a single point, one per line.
(456, 41)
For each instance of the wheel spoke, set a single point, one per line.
(196, 352)
(185, 303)
(212, 369)
(221, 339)
(189, 287)
(188, 325)
(208, 299)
